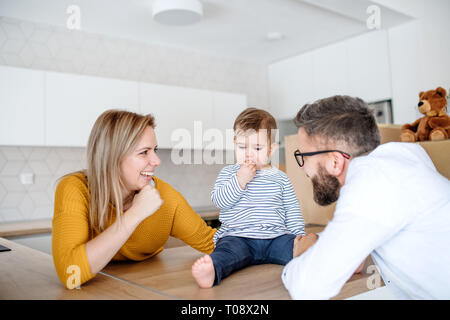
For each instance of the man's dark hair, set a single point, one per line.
(341, 120)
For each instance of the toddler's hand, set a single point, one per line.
(246, 173)
(302, 243)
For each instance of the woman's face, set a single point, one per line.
(137, 167)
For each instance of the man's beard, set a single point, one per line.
(325, 187)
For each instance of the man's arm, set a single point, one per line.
(322, 270)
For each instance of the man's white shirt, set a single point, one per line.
(393, 206)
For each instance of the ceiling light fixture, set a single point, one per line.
(274, 36)
(177, 12)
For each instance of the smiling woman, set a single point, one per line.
(111, 211)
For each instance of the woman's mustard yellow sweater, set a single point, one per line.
(71, 228)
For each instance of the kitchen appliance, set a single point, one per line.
(382, 111)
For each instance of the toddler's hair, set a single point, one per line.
(255, 119)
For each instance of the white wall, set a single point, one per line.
(419, 53)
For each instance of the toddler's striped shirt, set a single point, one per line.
(265, 209)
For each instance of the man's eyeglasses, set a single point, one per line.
(299, 156)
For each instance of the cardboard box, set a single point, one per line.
(439, 152)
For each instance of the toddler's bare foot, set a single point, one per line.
(203, 272)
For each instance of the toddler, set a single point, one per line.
(259, 212)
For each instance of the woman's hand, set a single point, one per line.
(246, 173)
(102, 248)
(146, 202)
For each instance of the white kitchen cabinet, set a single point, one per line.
(369, 74)
(226, 107)
(74, 102)
(357, 67)
(59, 109)
(181, 114)
(330, 71)
(291, 85)
(22, 104)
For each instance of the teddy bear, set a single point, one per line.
(435, 124)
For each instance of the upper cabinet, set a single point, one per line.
(369, 74)
(41, 108)
(188, 118)
(22, 106)
(291, 85)
(75, 101)
(330, 70)
(181, 114)
(226, 108)
(357, 67)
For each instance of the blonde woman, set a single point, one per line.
(111, 211)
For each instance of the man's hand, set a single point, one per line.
(302, 243)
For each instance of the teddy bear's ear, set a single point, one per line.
(441, 91)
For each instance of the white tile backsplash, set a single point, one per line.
(30, 202)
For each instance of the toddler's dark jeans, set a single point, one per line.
(234, 253)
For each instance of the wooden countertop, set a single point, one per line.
(170, 272)
(22, 228)
(29, 274)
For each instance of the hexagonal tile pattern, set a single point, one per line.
(12, 183)
(10, 214)
(53, 160)
(44, 212)
(39, 167)
(38, 154)
(12, 168)
(12, 199)
(2, 161)
(12, 29)
(2, 192)
(27, 28)
(13, 153)
(26, 206)
(13, 46)
(40, 198)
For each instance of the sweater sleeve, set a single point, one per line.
(226, 191)
(70, 232)
(189, 227)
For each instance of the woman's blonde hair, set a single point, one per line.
(114, 135)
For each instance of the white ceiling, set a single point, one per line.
(233, 29)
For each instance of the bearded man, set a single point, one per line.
(392, 204)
